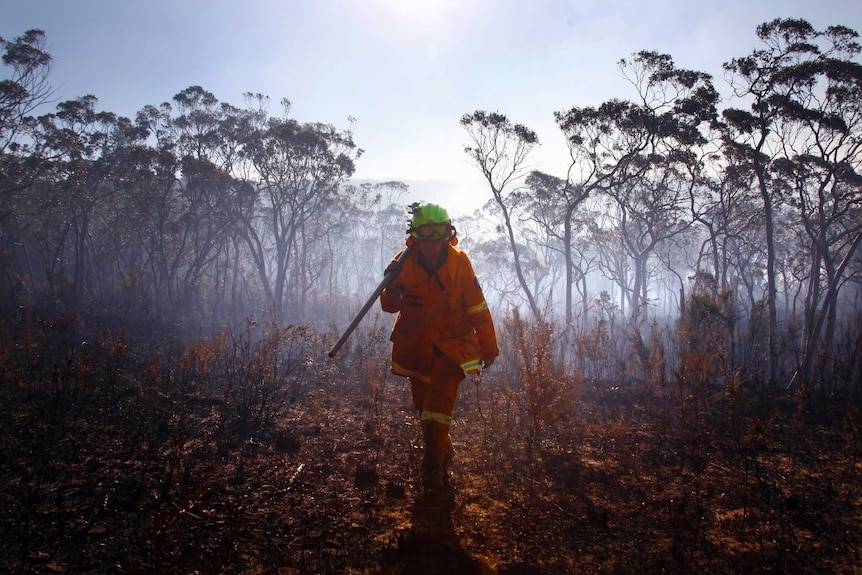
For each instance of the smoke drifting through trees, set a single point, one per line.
(677, 206)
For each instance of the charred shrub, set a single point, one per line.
(265, 366)
(547, 395)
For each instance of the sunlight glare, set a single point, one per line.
(422, 16)
(415, 10)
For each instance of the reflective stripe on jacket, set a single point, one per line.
(446, 310)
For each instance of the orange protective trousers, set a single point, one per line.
(435, 401)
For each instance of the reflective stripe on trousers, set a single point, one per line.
(436, 417)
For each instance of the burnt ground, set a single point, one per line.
(137, 480)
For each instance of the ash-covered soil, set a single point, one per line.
(140, 481)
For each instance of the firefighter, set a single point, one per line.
(443, 331)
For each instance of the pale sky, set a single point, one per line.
(406, 70)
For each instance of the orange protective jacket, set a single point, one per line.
(446, 310)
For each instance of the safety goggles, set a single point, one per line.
(432, 232)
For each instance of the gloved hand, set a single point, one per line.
(487, 362)
(393, 266)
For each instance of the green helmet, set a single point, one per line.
(430, 222)
(429, 214)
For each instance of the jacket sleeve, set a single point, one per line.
(484, 326)
(478, 312)
(390, 298)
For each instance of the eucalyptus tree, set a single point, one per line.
(389, 217)
(802, 123)
(620, 142)
(346, 253)
(648, 214)
(548, 267)
(371, 229)
(585, 260)
(613, 261)
(725, 208)
(500, 149)
(82, 144)
(206, 200)
(492, 259)
(678, 111)
(25, 88)
(300, 168)
(546, 233)
(820, 168)
(195, 200)
(202, 127)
